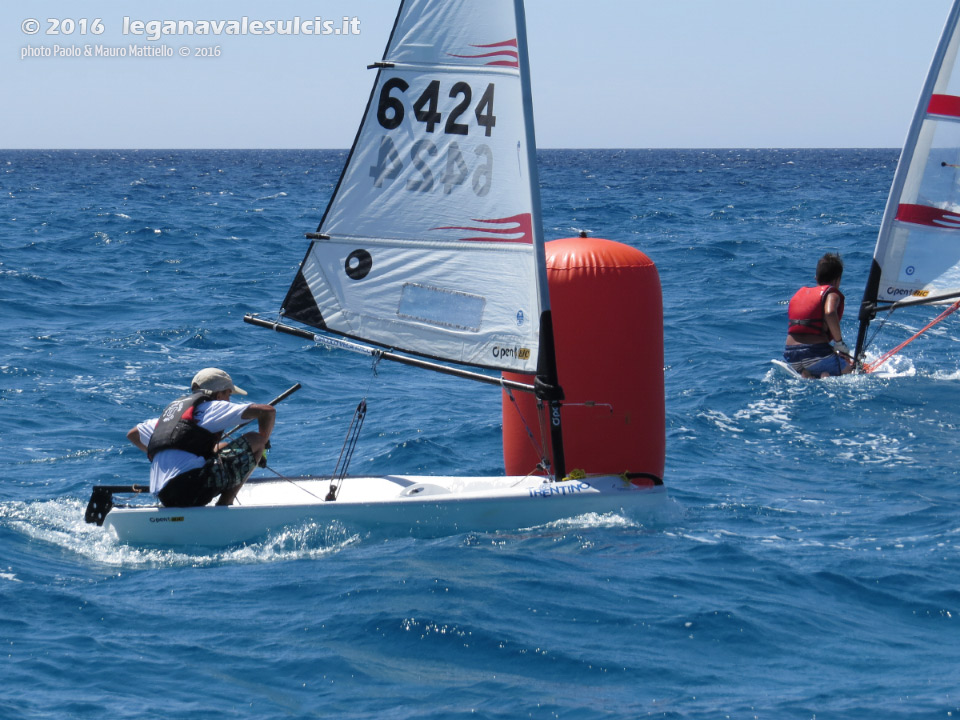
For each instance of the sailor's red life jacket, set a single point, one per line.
(805, 311)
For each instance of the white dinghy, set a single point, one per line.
(393, 505)
(431, 249)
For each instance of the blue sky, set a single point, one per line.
(607, 73)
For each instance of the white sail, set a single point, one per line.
(917, 257)
(430, 242)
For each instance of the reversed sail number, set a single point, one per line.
(426, 109)
(456, 171)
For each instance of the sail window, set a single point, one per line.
(436, 306)
(939, 177)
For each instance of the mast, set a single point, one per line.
(547, 381)
(868, 310)
(945, 47)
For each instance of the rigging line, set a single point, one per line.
(346, 452)
(377, 356)
(236, 501)
(538, 449)
(886, 356)
(353, 435)
(876, 331)
(285, 479)
(590, 404)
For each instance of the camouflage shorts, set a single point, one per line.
(225, 471)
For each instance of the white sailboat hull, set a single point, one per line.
(423, 506)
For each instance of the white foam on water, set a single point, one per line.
(721, 420)
(897, 366)
(60, 522)
(594, 520)
(947, 375)
(871, 449)
(767, 411)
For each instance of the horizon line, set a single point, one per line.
(347, 149)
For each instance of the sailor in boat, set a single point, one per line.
(814, 314)
(190, 466)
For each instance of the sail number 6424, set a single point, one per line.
(426, 109)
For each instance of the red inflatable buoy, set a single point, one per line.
(608, 328)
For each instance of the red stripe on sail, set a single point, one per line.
(926, 215)
(948, 105)
(510, 58)
(505, 43)
(521, 225)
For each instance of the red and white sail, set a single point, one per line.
(430, 243)
(918, 249)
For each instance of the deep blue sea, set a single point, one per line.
(805, 565)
